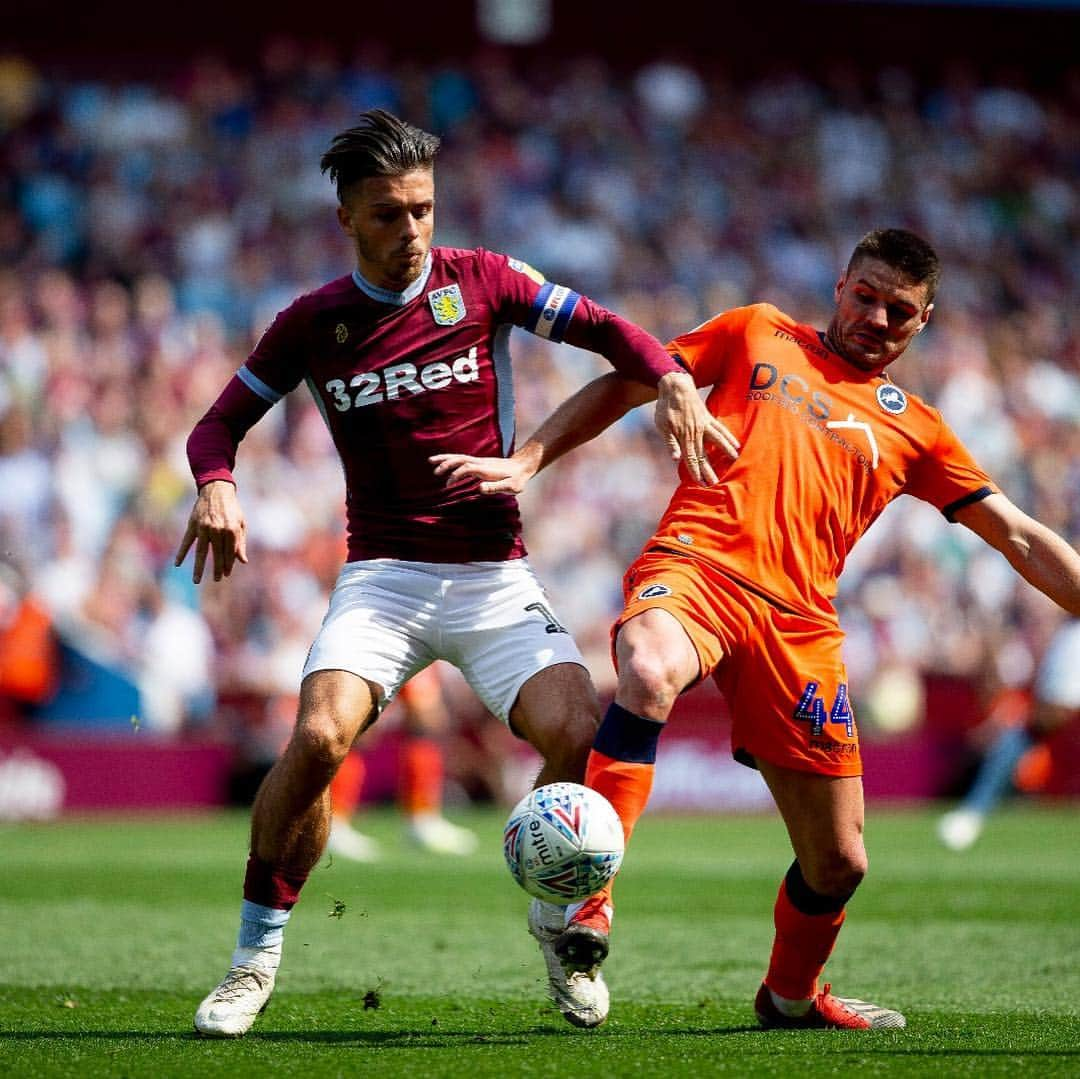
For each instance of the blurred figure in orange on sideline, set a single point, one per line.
(419, 781)
(29, 661)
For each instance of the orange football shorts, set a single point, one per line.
(781, 672)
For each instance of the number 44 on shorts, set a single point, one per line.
(811, 708)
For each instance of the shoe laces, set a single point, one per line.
(825, 996)
(238, 982)
(829, 1006)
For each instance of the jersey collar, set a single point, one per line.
(385, 295)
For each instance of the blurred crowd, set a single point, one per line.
(149, 233)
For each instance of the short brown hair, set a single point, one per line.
(380, 145)
(903, 251)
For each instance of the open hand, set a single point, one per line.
(216, 524)
(492, 475)
(686, 425)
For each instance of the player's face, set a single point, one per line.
(878, 311)
(390, 221)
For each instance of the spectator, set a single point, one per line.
(135, 227)
(28, 660)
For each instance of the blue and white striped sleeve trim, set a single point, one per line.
(257, 386)
(551, 311)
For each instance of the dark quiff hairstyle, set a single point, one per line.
(380, 145)
(903, 251)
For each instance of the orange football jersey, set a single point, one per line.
(825, 447)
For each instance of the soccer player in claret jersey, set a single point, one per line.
(407, 356)
(738, 581)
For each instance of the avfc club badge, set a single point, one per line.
(447, 305)
(892, 399)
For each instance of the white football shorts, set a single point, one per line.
(389, 619)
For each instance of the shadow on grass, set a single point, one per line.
(862, 1043)
(430, 1039)
(406, 1039)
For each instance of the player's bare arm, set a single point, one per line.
(686, 424)
(492, 475)
(579, 419)
(1036, 552)
(683, 419)
(216, 526)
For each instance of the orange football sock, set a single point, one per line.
(621, 766)
(1034, 769)
(346, 785)
(804, 939)
(420, 783)
(625, 784)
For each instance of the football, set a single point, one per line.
(563, 842)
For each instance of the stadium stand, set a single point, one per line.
(151, 227)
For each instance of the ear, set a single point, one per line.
(925, 318)
(344, 219)
(839, 287)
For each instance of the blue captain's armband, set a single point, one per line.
(551, 311)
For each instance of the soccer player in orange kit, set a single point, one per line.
(738, 581)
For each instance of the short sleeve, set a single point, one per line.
(947, 476)
(704, 350)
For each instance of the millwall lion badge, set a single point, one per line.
(891, 398)
(447, 305)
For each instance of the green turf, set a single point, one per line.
(112, 930)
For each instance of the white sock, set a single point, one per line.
(268, 959)
(793, 1009)
(262, 930)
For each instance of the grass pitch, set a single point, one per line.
(111, 931)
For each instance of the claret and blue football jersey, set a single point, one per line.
(399, 376)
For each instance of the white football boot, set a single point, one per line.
(438, 835)
(582, 996)
(235, 1004)
(960, 828)
(346, 842)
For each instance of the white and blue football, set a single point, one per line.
(563, 842)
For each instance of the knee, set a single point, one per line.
(837, 872)
(557, 712)
(322, 740)
(565, 741)
(648, 683)
(572, 739)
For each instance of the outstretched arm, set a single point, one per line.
(580, 418)
(1036, 552)
(681, 415)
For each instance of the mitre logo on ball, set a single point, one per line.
(563, 842)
